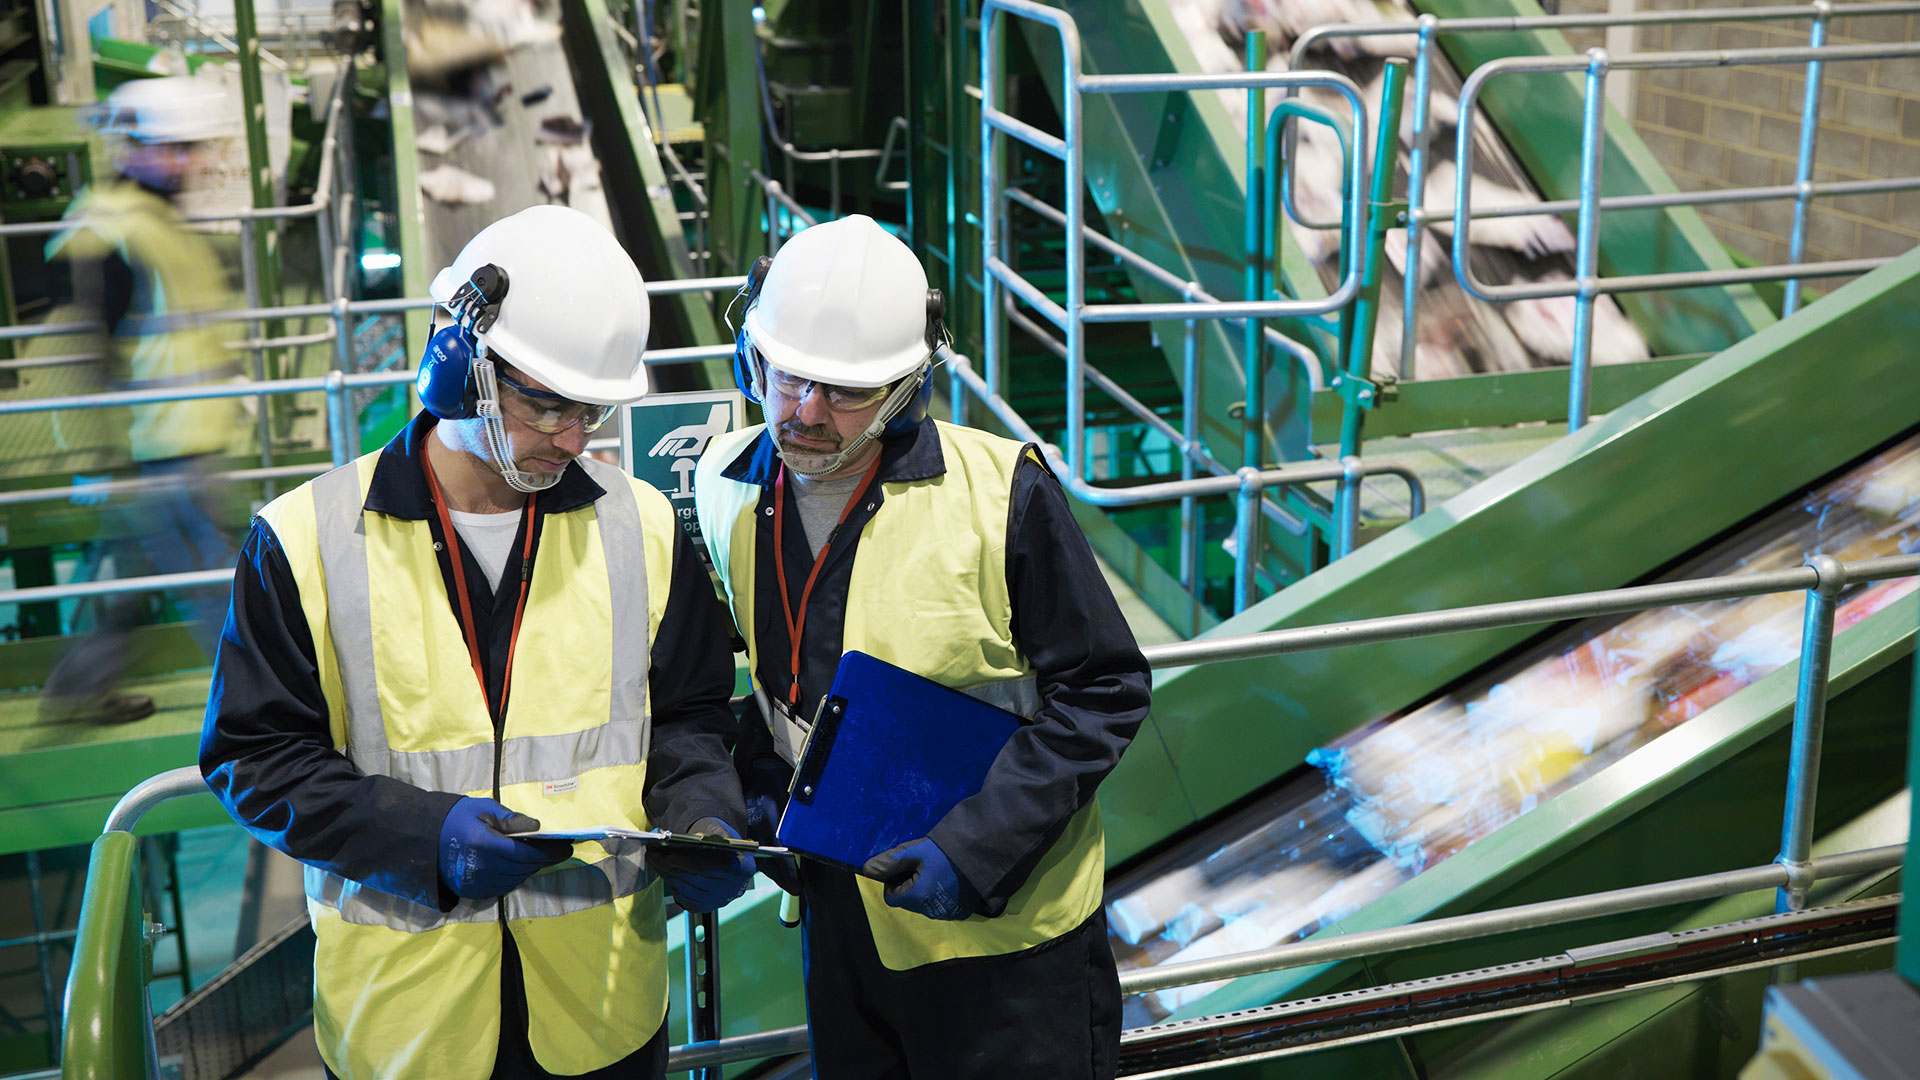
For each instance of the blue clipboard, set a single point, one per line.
(889, 754)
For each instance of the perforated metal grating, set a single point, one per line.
(225, 1027)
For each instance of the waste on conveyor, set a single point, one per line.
(1458, 335)
(1398, 796)
(498, 122)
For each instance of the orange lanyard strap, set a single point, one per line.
(795, 627)
(460, 583)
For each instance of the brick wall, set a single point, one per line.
(1740, 127)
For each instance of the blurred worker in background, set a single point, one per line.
(139, 275)
(852, 521)
(476, 632)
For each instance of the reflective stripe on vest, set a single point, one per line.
(964, 641)
(543, 896)
(622, 740)
(401, 988)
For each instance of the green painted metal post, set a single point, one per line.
(411, 214)
(106, 1035)
(266, 254)
(1380, 218)
(1906, 958)
(1355, 387)
(728, 102)
(1252, 345)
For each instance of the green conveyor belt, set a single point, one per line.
(1660, 476)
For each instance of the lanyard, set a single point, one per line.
(796, 626)
(460, 584)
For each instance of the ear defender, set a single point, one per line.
(936, 320)
(445, 382)
(744, 374)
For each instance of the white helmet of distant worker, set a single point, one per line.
(844, 303)
(552, 293)
(174, 109)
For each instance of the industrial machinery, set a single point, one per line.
(1559, 440)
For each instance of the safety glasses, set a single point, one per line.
(548, 412)
(845, 399)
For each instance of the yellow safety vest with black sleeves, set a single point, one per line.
(185, 278)
(406, 990)
(928, 593)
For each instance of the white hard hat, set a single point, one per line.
(175, 109)
(845, 302)
(575, 313)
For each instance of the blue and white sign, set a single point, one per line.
(667, 433)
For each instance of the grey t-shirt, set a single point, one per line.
(821, 503)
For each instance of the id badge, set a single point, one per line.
(789, 730)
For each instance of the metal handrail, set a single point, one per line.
(1588, 285)
(1424, 29)
(1073, 317)
(151, 792)
(1791, 874)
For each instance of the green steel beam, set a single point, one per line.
(727, 101)
(60, 796)
(1535, 114)
(1908, 960)
(648, 222)
(266, 237)
(1599, 508)
(1498, 400)
(1682, 1032)
(409, 212)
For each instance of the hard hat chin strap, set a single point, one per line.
(812, 465)
(487, 405)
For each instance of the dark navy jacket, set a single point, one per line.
(1093, 682)
(267, 753)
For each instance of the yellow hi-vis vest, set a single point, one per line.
(405, 990)
(928, 594)
(185, 278)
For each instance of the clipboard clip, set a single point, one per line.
(813, 759)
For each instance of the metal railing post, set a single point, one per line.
(1352, 472)
(1355, 387)
(1803, 165)
(1252, 450)
(1415, 277)
(1190, 431)
(337, 416)
(990, 217)
(1809, 723)
(702, 957)
(1246, 520)
(1076, 249)
(1587, 246)
(250, 277)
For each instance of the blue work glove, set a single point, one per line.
(919, 878)
(704, 881)
(765, 793)
(479, 862)
(84, 497)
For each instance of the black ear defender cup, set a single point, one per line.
(908, 418)
(936, 320)
(744, 374)
(445, 382)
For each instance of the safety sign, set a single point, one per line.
(669, 432)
